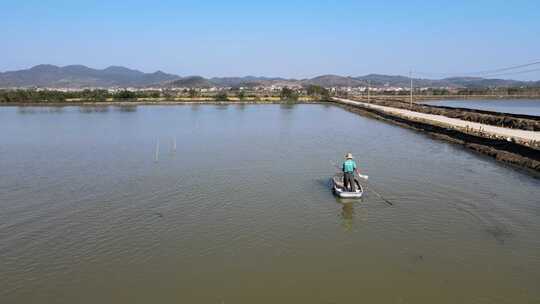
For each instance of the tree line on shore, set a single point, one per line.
(99, 95)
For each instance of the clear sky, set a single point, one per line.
(273, 38)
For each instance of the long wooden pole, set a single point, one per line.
(380, 196)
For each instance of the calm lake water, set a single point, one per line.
(242, 212)
(515, 106)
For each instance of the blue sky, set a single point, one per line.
(273, 38)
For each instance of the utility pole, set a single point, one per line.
(368, 85)
(410, 76)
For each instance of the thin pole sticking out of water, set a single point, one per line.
(174, 145)
(156, 156)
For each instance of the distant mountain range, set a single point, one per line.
(79, 76)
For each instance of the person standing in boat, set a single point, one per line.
(348, 168)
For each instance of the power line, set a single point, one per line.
(508, 68)
(485, 73)
(514, 73)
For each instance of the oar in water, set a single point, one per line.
(380, 196)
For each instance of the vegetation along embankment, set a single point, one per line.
(512, 146)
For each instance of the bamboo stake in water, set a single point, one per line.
(174, 145)
(156, 157)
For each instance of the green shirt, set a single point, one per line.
(349, 166)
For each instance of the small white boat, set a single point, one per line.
(339, 190)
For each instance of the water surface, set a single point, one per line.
(514, 106)
(241, 212)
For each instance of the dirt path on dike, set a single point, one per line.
(519, 135)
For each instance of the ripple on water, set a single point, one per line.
(244, 208)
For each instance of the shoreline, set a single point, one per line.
(418, 99)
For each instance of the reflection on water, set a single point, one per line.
(221, 106)
(287, 105)
(242, 212)
(241, 106)
(126, 108)
(353, 211)
(94, 109)
(347, 213)
(39, 110)
(87, 109)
